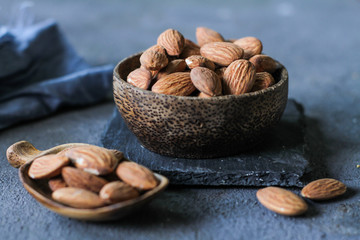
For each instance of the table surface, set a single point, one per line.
(318, 42)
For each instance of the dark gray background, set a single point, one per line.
(318, 42)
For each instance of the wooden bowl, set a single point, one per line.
(193, 127)
(23, 153)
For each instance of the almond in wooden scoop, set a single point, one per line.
(206, 81)
(281, 201)
(118, 191)
(47, 166)
(136, 175)
(323, 189)
(57, 183)
(93, 159)
(77, 197)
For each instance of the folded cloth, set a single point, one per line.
(40, 73)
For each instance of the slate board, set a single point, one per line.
(279, 161)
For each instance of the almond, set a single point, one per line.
(80, 179)
(220, 72)
(173, 41)
(203, 95)
(154, 58)
(47, 166)
(206, 81)
(77, 197)
(136, 175)
(190, 49)
(140, 78)
(251, 45)
(153, 72)
(264, 63)
(178, 84)
(323, 189)
(199, 61)
(281, 201)
(177, 65)
(263, 80)
(56, 183)
(206, 35)
(221, 53)
(118, 191)
(239, 77)
(119, 155)
(93, 159)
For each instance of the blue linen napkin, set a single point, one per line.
(41, 73)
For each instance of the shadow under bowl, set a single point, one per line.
(193, 127)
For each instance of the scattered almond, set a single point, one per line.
(251, 45)
(221, 53)
(77, 197)
(323, 189)
(154, 58)
(281, 201)
(206, 81)
(178, 84)
(206, 35)
(136, 175)
(118, 191)
(239, 77)
(140, 78)
(47, 166)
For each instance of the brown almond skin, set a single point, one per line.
(154, 58)
(323, 189)
(221, 53)
(281, 201)
(56, 183)
(263, 80)
(203, 95)
(206, 81)
(199, 61)
(136, 175)
(178, 84)
(251, 45)
(239, 77)
(173, 41)
(117, 191)
(77, 198)
(190, 49)
(220, 72)
(93, 159)
(140, 78)
(206, 35)
(177, 65)
(80, 179)
(47, 166)
(264, 63)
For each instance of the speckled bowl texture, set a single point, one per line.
(192, 127)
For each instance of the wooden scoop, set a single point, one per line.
(21, 154)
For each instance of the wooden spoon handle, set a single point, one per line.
(21, 152)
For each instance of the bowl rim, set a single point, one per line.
(281, 82)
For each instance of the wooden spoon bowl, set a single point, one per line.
(21, 154)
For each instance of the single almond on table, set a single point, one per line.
(177, 65)
(79, 179)
(206, 81)
(136, 175)
(281, 201)
(93, 159)
(77, 197)
(199, 61)
(251, 45)
(154, 58)
(239, 77)
(118, 191)
(178, 84)
(323, 189)
(190, 49)
(47, 166)
(263, 80)
(206, 35)
(140, 78)
(222, 53)
(264, 63)
(173, 41)
(57, 183)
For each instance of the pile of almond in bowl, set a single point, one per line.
(213, 67)
(90, 176)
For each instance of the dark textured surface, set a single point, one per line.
(317, 41)
(192, 127)
(279, 160)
